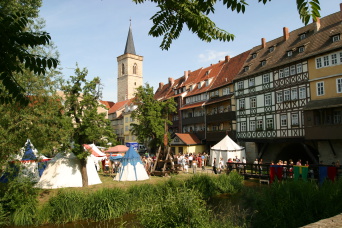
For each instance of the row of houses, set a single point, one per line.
(281, 99)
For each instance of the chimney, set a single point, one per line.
(160, 85)
(263, 42)
(171, 81)
(226, 59)
(317, 24)
(286, 33)
(186, 75)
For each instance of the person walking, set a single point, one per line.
(214, 166)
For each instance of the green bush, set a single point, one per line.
(179, 207)
(204, 184)
(231, 183)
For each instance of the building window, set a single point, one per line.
(281, 73)
(243, 126)
(126, 119)
(337, 117)
(318, 63)
(263, 62)
(260, 126)
(289, 53)
(334, 59)
(326, 61)
(199, 85)
(283, 120)
(293, 70)
(269, 124)
(299, 68)
(252, 125)
(251, 82)
(294, 119)
(135, 68)
(320, 88)
(242, 104)
(122, 68)
(253, 102)
(336, 38)
(302, 92)
(271, 49)
(286, 72)
(246, 68)
(206, 82)
(294, 94)
(240, 85)
(339, 85)
(301, 49)
(266, 78)
(279, 97)
(268, 100)
(126, 128)
(302, 36)
(286, 95)
(225, 91)
(190, 88)
(254, 55)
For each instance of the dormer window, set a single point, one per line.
(289, 53)
(191, 87)
(207, 72)
(263, 62)
(254, 55)
(246, 68)
(302, 36)
(206, 82)
(271, 49)
(336, 38)
(199, 85)
(301, 49)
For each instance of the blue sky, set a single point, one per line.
(94, 32)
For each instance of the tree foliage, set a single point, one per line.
(15, 57)
(81, 105)
(173, 15)
(151, 115)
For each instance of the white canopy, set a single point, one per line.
(225, 149)
(65, 171)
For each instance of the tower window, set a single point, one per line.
(123, 68)
(135, 68)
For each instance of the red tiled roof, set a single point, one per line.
(108, 104)
(118, 105)
(189, 138)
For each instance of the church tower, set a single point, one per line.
(130, 68)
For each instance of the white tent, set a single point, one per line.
(65, 171)
(225, 149)
(131, 168)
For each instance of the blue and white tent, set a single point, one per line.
(132, 168)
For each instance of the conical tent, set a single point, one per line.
(32, 164)
(131, 168)
(65, 171)
(225, 149)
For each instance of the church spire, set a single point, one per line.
(129, 49)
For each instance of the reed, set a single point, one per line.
(294, 203)
(106, 204)
(204, 184)
(231, 183)
(25, 214)
(66, 206)
(3, 216)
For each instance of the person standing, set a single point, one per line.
(194, 165)
(214, 166)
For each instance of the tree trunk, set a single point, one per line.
(84, 172)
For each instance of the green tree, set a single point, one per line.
(42, 121)
(89, 126)
(16, 41)
(173, 15)
(151, 115)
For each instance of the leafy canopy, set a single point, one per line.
(151, 116)
(174, 14)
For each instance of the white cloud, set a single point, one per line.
(212, 56)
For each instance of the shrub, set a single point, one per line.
(204, 184)
(231, 183)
